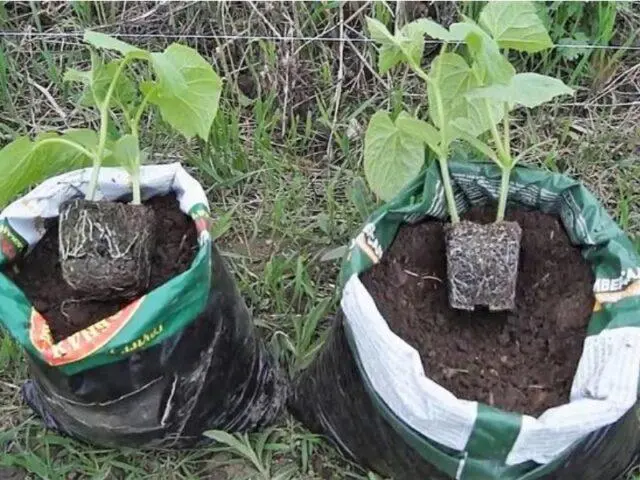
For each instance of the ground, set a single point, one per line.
(283, 171)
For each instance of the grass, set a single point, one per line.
(284, 177)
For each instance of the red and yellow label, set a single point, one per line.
(81, 344)
(10, 242)
(202, 220)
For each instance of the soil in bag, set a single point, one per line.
(40, 277)
(522, 361)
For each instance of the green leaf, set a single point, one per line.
(452, 77)
(406, 44)
(477, 144)
(451, 74)
(389, 57)
(528, 89)
(187, 91)
(493, 67)
(379, 33)
(515, 25)
(127, 153)
(100, 40)
(124, 92)
(471, 117)
(419, 129)
(435, 30)
(411, 39)
(84, 136)
(23, 165)
(392, 156)
(75, 75)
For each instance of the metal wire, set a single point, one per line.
(79, 35)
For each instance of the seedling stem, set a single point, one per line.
(443, 150)
(104, 123)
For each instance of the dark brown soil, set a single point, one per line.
(522, 361)
(39, 275)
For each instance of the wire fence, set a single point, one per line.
(79, 35)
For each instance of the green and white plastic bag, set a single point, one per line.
(466, 439)
(148, 320)
(179, 360)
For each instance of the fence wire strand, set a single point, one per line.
(79, 35)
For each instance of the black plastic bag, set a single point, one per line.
(214, 374)
(330, 397)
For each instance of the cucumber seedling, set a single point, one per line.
(105, 247)
(469, 95)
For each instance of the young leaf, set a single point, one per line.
(379, 33)
(452, 77)
(124, 92)
(411, 38)
(75, 75)
(493, 67)
(392, 156)
(100, 40)
(435, 30)
(127, 153)
(388, 57)
(528, 89)
(24, 165)
(408, 43)
(515, 25)
(187, 92)
(419, 129)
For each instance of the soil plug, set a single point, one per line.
(105, 247)
(482, 264)
(467, 97)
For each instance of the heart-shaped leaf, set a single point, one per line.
(187, 91)
(452, 77)
(25, 163)
(515, 25)
(123, 94)
(419, 129)
(392, 156)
